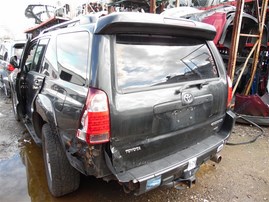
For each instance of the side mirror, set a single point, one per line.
(14, 61)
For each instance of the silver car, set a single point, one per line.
(4, 72)
(7, 67)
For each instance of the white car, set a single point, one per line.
(179, 12)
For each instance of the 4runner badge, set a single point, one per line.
(187, 98)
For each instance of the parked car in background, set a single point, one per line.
(137, 98)
(182, 11)
(4, 76)
(6, 67)
(3, 51)
(17, 49)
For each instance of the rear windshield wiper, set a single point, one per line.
(192, 67)
(199, 84)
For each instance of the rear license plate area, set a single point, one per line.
(153, 183)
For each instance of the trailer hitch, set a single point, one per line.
(181, 184)
(186, 180)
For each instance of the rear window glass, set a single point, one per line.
(145, 61)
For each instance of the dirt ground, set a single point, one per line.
(242, 175)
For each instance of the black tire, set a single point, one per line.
(14, 107)
(62, 178)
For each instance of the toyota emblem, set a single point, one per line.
(187, 98)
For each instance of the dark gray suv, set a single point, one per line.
(132, 97)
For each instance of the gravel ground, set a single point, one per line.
(242, 175)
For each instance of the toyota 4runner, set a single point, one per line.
(137, 98)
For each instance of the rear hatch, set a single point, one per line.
(169, 96)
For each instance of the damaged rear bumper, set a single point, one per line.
(176, 166)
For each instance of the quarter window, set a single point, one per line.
(72, 56)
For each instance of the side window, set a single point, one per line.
(49, 65)
(39, 54)
(30, 57)
(35, 55)
(72, 56)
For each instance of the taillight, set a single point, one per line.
(95, 121)
(10, 67)
(230, 91)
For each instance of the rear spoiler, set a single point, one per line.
(145, 23)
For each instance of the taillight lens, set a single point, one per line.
(10, 67)
(95, 120)
(230, 91)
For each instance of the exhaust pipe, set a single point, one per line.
(216, 158)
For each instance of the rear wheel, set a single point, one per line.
(61, 176)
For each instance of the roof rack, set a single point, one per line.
(85, 19)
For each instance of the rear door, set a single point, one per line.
(169, 91)
(31, 80)
(18, 83)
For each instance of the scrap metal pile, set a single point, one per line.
(251, 97)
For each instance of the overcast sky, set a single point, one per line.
(12, 16)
